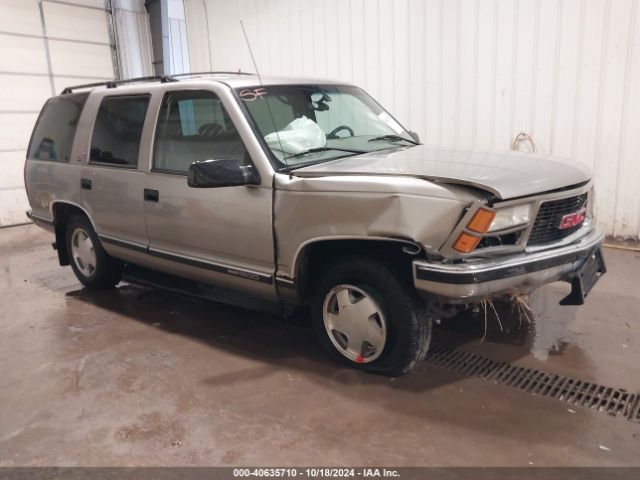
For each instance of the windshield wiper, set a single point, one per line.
(393, 138)
(323, 149)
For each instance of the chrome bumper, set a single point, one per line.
(522, 273)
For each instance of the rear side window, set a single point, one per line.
(53, 135)
(116, 134)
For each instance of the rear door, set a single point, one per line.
(223, 235)
(112, 179)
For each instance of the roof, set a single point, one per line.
(232, 79)
(249, 80)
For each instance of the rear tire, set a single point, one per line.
(89, 261)
(368, 318)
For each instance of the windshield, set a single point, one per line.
(304, 124)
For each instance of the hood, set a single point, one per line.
(503, 174)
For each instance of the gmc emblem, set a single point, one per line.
(572, 219)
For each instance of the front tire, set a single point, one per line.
(93, 267)
(367, 317)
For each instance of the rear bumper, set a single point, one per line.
(466, 282)
(41, 222)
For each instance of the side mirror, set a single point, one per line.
(221, 173)
(415, 136)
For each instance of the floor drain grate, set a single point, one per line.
(614, 401)
(635, 411)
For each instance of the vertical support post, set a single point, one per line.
(154, 11)
(113, 40)
(166, 40)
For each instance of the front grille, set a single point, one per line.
(545, 228)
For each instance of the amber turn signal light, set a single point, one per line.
(481, 221)
(466, 243)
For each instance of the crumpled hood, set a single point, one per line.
(504, 174)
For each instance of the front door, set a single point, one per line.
(217, 235)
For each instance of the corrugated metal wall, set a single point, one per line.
(133, 38)
(464, 73)
(178, 51)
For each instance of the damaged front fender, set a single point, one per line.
(360, 207)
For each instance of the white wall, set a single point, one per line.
(465, 73)
(44, 47)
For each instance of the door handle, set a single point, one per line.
(85, 183)
(151, 195)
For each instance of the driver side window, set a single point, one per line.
(194, 126)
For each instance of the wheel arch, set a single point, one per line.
(61, 211)
(314, 255)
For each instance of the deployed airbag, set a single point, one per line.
(298, 136)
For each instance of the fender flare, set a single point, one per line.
(60, 244)
(299, 255)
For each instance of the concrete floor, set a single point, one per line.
(133, 377)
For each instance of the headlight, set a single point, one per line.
(511, 217)
(485, 221)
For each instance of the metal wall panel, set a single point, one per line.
(15, 130)
(22, 55)
(21, 17)
(26, 92)
(81, 59)
(13, 168)
(89, 24)
(97, 4)
(464, 73)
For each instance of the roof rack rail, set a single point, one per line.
(115, 83)
(220, 72)
(160, 78)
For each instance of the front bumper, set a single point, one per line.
(468, 282)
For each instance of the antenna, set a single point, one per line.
(255, 66)
(253, 59)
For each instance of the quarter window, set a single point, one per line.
(53, 135)
(116, 134)
(194, 126)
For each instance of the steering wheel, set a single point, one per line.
(334, 132)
